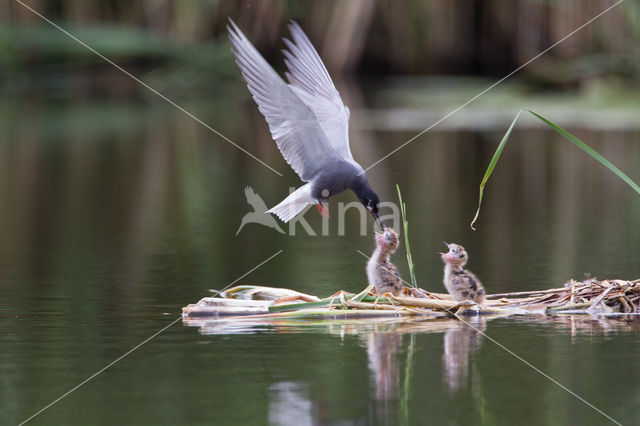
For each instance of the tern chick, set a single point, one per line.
(381, 273)
(460, 283)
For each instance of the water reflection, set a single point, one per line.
(378, 335)
(382, 351)
(459, 342)
(290, 404)
(394, 359)
(594, 325)
(384, 347)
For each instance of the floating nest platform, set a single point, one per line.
(575, 297)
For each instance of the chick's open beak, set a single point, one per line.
(446, 244)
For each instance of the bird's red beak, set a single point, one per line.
(323, 210)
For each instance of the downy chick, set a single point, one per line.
(460, 283)
(381, 273)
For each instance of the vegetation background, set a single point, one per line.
(187, 39)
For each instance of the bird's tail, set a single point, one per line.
(293, 204)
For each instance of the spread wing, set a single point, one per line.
(310, 80)
(293, 124)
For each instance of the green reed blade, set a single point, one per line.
(492, 165)
(569, 137)
(405, 223)
(589, 151)
(406, 388)
(358, 297)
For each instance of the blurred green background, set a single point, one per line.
(117, 209)
(182, 46)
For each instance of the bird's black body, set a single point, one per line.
(333, 179)
(340, 176)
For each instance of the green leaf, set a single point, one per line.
(358, 297)
(492, 165)
(405, 222)
(564, 133)
(589, 151)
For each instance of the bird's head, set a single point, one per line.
(457, 256)
(372, 203)
(387, 240)
(369, 199)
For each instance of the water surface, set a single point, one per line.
(114, 215)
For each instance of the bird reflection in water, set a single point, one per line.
(383, 348)
(290, 404)
(460, 341)
(382, 351)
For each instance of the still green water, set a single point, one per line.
(115, 215)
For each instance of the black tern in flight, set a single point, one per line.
(308, 121)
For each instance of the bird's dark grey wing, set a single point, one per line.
(311, 82)
(293, 125)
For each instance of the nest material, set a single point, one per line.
(587, 297)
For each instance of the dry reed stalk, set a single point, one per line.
(430, 304)
(625, 305)
(525, 293)
(367, 305)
